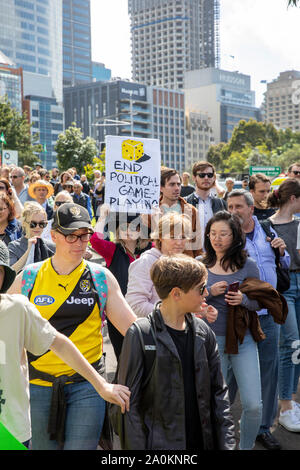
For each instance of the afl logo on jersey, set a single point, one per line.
(43, 300)
(85, 285)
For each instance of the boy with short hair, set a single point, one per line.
(23, 328)
(184, 405)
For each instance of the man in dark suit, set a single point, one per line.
(204, 176)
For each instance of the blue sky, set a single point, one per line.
(262, 35)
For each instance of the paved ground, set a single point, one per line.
(288, 440)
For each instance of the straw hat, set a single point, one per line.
(40, 184)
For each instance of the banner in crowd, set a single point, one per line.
(132, 168)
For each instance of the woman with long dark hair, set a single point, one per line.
(287, 201)
(227, 263)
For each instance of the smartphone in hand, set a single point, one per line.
(234, 287)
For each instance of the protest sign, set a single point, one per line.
(132, 168)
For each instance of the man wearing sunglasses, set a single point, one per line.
(204, 176)
(73, 294)
(18, 181)
(294, 171)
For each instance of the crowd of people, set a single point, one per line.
(209, 280)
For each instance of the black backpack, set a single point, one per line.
(148, 343)
(283, 274)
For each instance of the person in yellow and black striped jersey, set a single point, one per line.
(72, 294)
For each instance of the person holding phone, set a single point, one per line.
(228, 266)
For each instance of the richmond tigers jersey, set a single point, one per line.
(70, 304)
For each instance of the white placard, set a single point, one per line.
(10, 157)
(132, 174)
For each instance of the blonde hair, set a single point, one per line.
(30, 207)
(172, 225)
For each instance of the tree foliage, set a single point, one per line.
(255, 143)
(16, 129)
(73, 150)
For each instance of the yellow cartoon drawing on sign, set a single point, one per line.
(133, 150)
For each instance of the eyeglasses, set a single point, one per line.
(202, 175)
(213, 236)
(16, 176)
(296, 172)
(40, 224)
(3, 187)
(85, 237)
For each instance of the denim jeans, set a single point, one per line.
(268, 351)
(245, 367)
(84, 418)
(289, 370)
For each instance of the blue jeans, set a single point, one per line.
(84, 418)
(268, 351)
(289, 370)
(245, 367)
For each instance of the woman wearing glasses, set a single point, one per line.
(31, 247)
(74, 294)
(227, 263)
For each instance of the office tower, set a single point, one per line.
(116, 107)
(168, 124)
(31, 36)
(199, 137)
(282, 101)
(77, 59)
(11, 82)
(169, 37)
(225, 96)
(100, 72)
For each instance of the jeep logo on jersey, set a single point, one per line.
(43, 300)
(85, 301)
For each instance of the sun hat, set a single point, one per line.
(40, 184)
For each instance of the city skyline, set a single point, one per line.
(261, 43)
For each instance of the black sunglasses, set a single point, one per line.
(201, 289)
(202, 175)
(40, 224)
(59, 203)
(296, 172)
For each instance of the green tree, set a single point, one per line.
(217, 154)
(16, 129)
(73, 150)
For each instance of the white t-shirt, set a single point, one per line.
(21, 327)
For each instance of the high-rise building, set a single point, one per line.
(11, 82)
(100, 72)
(31, 36)
(282, 101)
(170, 37)
(199, 137)
(168, 124)
(225, 96)
(77, 58)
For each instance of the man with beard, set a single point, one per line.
(260, 187)
(204, 176)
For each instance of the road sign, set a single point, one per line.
(266, 170)
(10, 157)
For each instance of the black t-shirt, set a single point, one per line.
(184, 343)
(263, 214)
(186, 190)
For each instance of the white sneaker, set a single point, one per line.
(289, 420)
(296, 408)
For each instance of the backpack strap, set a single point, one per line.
(28, 277)
(266, 225)
(148, 343)
(100, 283)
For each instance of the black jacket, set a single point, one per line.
(217, 204)
(156, 419)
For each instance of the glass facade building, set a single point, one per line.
(77, 60)
(31, 35)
